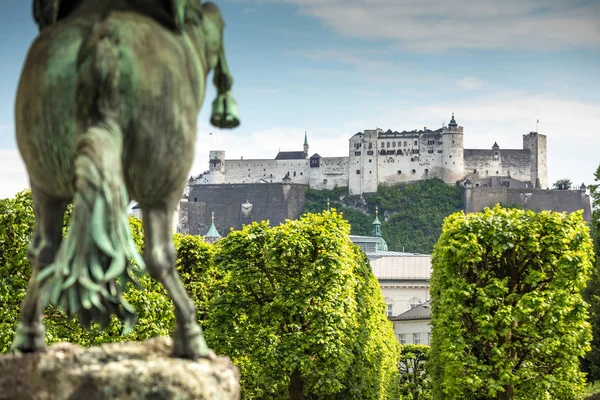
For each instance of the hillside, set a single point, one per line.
(411, 215)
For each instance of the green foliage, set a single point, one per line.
(562, 184)
(591, 362)
(508, 317)
(151, 302)
(301, 312)
(415, 383)
(413, 212)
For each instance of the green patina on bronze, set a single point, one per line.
(106, 111)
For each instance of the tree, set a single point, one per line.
(413, 213)
(591, 361)
(562, 184)
(301, 314)
(153, 307)
(508, 316)
(414, 375)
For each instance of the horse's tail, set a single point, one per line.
(93, 265)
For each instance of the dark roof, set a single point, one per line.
(422, 311)
(316, 155)
(290, 155)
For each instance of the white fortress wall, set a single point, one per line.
(331, 172)
(270, 171)
(499, 162)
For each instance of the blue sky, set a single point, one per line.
(335, 67)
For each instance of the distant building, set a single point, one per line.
(377, 157)
(413, 326)
(404, 281)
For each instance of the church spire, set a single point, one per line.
(212, 235)
(376, 224)
(305, 145)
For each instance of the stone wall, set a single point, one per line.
(498, 162)
(235, 205)
(477, 198)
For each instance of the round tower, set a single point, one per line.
(216, 166)
(453, 164)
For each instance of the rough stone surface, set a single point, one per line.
(127, 371)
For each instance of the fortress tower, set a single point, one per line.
(216, 166)
(536, 144)
(453, 152)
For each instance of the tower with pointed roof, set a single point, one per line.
(382, 245)
(212, 235)
(452, 152)
(305, 145)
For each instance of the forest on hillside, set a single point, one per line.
(411, 214)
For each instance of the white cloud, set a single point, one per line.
(470, 83)
(433, 25)
(13, 175)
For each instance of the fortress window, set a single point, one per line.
(358, 172)
(453, 142)
(439, 151)
(370, 160)
(382, 145)
(370, 172)
(370, 145)
(271, 176)
(370, 152)
(387, 144)
(496, 172)
(324, 181)
(300, 173)
(357, 153)
(294, 173)
(474, 171)
(195, 199)
(405, 142)
(450, 156)
(399, 172)
(416, 143)
(393, 144)
(430, 151)
(431, 142)
(413, 171)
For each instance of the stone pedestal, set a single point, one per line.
(124, 371)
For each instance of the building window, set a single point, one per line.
(416, 143)
(393, 144)
(357, 153)
(402, 338)
(324, 181)
(399, 172)
(431, 142)
(439, 151)
(370, 152)
(382, 145)
(430, 151)
(416, 338)
(387, 144)
(389, 310)
(414, 171)
(294, 173)
(405, 143)
(195, 199)
(300, 173)
(358, 172)
(370, 160)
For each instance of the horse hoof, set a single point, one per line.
(28, 340)
(189, 343)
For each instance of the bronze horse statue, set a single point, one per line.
(106, 111)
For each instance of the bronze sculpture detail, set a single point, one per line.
(106, 111)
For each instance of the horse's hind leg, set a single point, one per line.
(47, 235)
(160, 258)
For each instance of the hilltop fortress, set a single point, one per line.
(378, 158)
